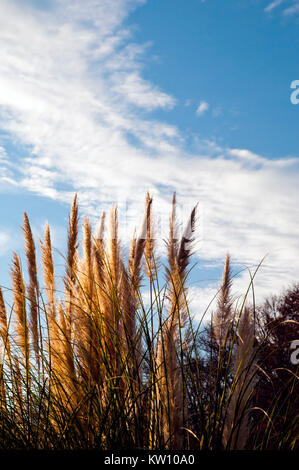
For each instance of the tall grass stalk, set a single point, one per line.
(95, 366)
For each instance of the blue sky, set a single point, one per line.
(110, 98)
(233, 55)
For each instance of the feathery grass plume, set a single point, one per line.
(49, 286)
(118, 378)
(151, 262)
(48, 271)
(33, 288)
(4, 335)
(50, 311)
(130, 299)
(100, 230)
(111, 311)
(98, 252)
(19, 297)
(128, 306)
(138, 246)
(113, 247)
(184, 252)
(65, 319)
(22, 341)
(131, 284)
(71, 268)
(86, 323)
(130, 349)
(132, 252)
(172, 245)
(183, 258)
(224, 315)
(171, 341)
(237, 429)
(86, 277)
(178, 260)
(149, 248)
(131, 337)
(99, 265)
(100, 299)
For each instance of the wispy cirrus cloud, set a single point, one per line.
(73, 95)
(289, 7)
(273, 5)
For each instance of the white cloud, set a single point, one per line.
(273, 5)
(254, 160)
(202, 108)
(141, 93)
(292, 10)
(287, 10)
(72, 94)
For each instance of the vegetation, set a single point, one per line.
(94, 367)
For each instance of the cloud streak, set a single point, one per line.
(273, 5)
(291, 10)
